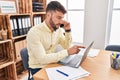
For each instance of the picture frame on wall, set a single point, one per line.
(8, 6)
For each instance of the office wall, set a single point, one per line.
(95, 22)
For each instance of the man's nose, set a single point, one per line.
(61, 21)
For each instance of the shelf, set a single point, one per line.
(1, 14)
(8, 72)
(5, 41)
(18, 37)
(18, 14)
(39, 12)
(5, 63)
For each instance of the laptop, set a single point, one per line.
(77, 59)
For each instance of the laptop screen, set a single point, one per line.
(86, 52)
(77, 59)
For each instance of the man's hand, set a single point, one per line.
(74, 49)
(66, 25)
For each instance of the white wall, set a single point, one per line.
(95, 22)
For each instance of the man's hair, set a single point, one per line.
(55, 6)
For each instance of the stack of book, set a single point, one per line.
(37, 6)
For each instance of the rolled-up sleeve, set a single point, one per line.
(65, 39)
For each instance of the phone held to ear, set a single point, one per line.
(62, 25)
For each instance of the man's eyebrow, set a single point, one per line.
(59, 16)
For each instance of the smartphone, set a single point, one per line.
(62, 25)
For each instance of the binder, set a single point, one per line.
(20, 26)
(15, 27)
(18, 29)
(29, 23)
(24, 25)
(39, 19)
(12, 27)
(34, 20)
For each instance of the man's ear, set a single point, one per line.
(48, 14)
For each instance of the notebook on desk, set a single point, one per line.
(76, 60)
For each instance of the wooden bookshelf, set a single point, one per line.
(5, 62)
(7, 65)
(11, 65)
(8, 72)
(19, 37)
(4, 41)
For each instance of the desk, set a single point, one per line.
(99, 67)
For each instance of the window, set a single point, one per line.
(75, 15)
(114, 37)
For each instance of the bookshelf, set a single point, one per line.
(7, 65)
(13, 30)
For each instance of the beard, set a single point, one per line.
(53, 24)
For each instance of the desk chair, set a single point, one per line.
(113, 48)
(24, 56)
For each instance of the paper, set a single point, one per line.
(93, 52)
(74, 73)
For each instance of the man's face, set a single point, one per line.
(56, 19)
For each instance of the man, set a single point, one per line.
(43, 39)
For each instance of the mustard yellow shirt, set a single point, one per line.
(41, 44)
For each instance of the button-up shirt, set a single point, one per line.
(42, 42)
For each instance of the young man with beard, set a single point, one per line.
(43, 39)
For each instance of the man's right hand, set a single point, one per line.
(74, 49)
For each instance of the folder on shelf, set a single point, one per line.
(29, 23)
(15, 27)
(20, 26)
(37, 20)
(12, 27)
(24, 25)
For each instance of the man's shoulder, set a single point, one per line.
(37, 27)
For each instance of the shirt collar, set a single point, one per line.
(46, 27)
